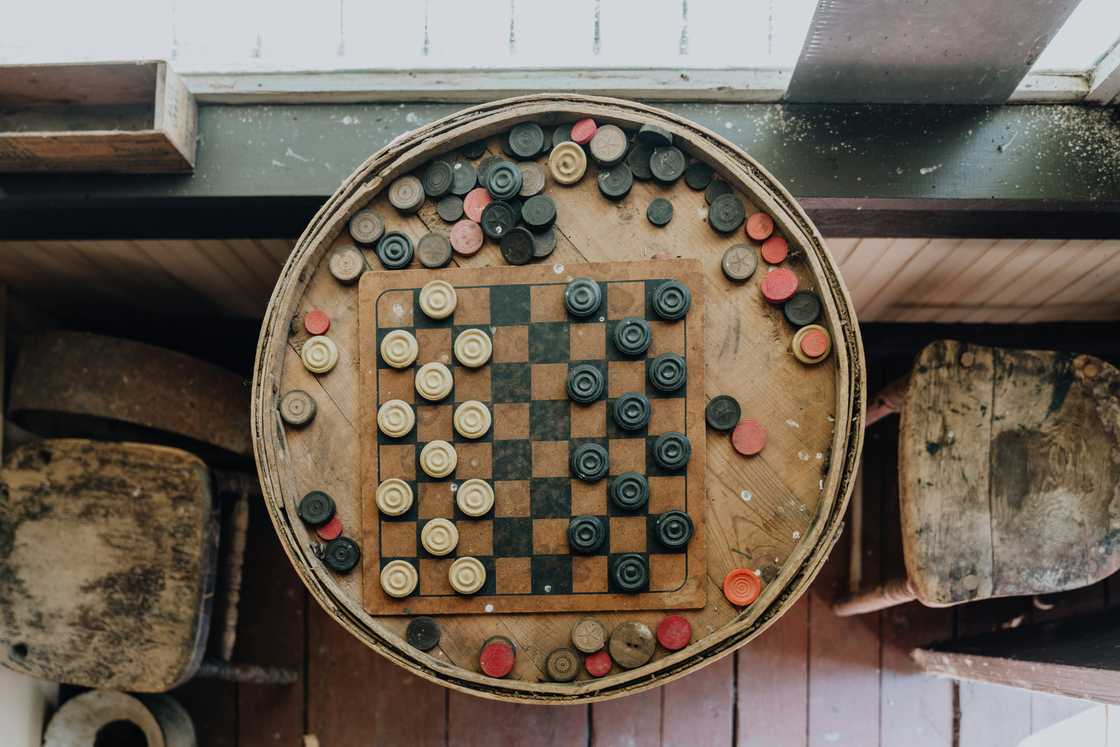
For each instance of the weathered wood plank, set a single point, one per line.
(624, 722)
(773, 683)
(699, 708)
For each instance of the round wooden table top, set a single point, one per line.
(776, 513)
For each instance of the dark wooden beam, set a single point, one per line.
(861, 170)
(1078, 658)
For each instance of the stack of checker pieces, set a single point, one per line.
(523, 541)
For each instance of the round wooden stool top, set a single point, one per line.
(776, 513)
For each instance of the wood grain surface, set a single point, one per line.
(778, 513)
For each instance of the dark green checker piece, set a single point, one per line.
(395, 250)
(655, 136)
(590, 462)
(544, 242)
(668, 372)
(583, 297)
(526, 140)
(726, 213)
(671, 300)
(473, 150)
(672, 451)
(632, 411)
(638, 160)
(517, 246)
(630, 572)
(562, 134)
(450, 208)
(632, 336)
(723, 412)
(673, 529)
(342, 554)
(484, 167)
(586, 534)
(715, 189)
(659, 212)
(464, 177)
(586, 383)
(630, 491)
(433, 250)
(615, 182)
(498, 219)
(538, 212)
(667, 164)
(437, 179)
(802, 308)
(316, 508)
(422, 633)
(503, 180)
(698, 175)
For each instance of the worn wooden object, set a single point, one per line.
(677, 580)
(75, 383)
(1075, 657)
(106, 557)
(130, 117)
(779, 513)
(1008, 466)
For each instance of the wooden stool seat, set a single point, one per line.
(1008, 467)
(106, 563)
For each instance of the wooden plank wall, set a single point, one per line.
(902, 280)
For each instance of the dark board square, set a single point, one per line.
(552, 574)
(550, 497)
(408, 438)
(489, 586)
(513, 460)
(509, 304)
(550, 420)
(513, 537)
(411, 561)
(510, 382)
(549, 342)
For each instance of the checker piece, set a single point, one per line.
(586, 534)
(395, 418)
(583, 297)
(473, 348)
(399, 578)
(586, 383)
(475, 497)
(472, 419)
(438, 459)
(439, 537)
(394, 497)
(590, 462)
(433, 381)
(467, 575)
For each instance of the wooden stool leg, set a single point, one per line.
(894, 592)
(887, 401)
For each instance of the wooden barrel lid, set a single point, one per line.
(777, 515)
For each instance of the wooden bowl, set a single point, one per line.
(778, 513)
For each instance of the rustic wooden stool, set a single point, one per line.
(1008, 466)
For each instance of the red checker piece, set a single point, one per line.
(749, 437)
(760, 226)
(497, 657)
(674, 633)
(474, 203)
(779, 285)
(317, 322)
(466, 237)
(598, 664)
(331, 530)
(742, 586)
(583, 131)
(814, 343)
(774, 250)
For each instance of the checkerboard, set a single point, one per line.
(522, 541)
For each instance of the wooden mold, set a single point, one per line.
(127, 117)
(778, 513)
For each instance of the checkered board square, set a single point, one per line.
(522, 542)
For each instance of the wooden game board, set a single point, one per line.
(523, 542)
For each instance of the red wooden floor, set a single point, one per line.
(812, 679)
